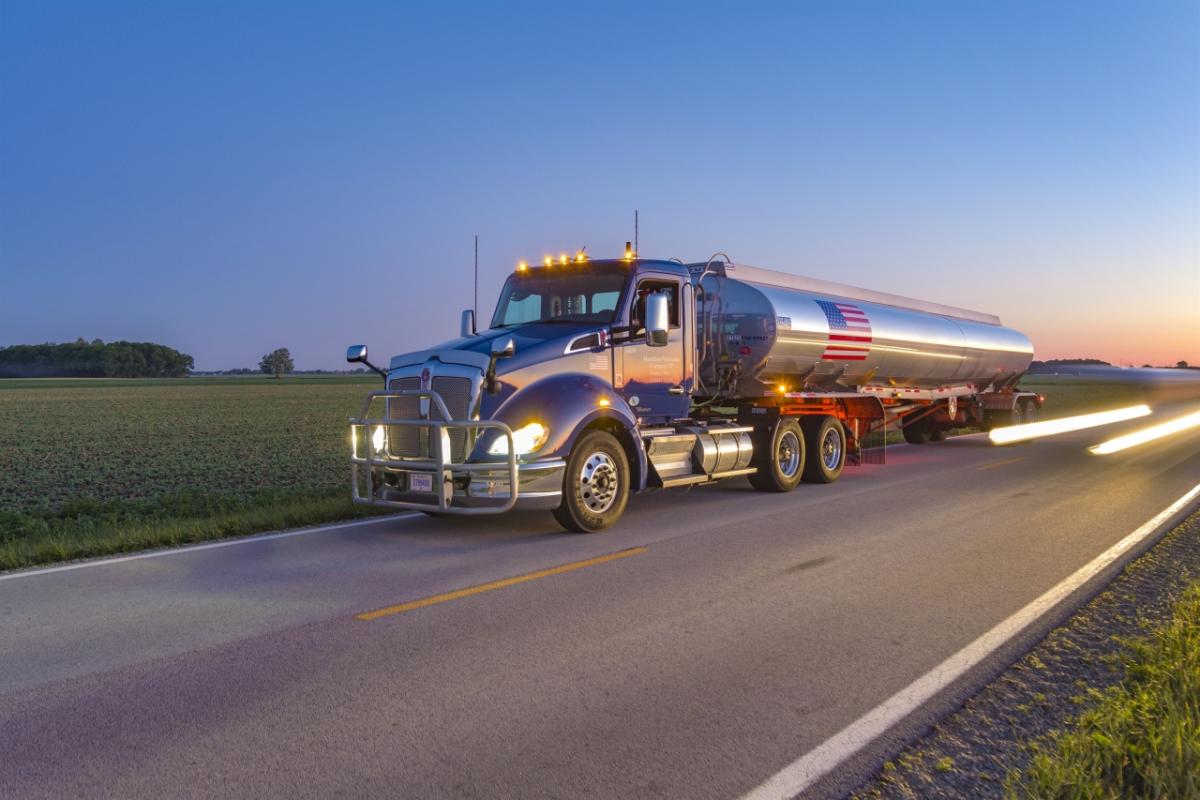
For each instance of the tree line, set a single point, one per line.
(94, 359)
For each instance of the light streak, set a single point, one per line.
(1050, 427)
(1147, 434)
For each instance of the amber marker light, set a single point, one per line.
(562, 258)
(522, 267)
(1051, 427)
(547, 261)
(1147, 435)
(603, 402)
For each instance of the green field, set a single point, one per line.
(98, 466)
(91, 467)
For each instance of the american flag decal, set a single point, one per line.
(849, 332)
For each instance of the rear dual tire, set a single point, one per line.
(812, 450)
(825, 439)
(779, 455)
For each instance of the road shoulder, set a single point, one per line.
(970, 752)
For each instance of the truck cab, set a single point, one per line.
(575, 347)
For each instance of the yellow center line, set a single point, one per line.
(1002, 463)
(458, 594)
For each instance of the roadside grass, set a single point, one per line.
(89, 528)
(1142, 739)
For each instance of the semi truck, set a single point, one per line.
(597, 379)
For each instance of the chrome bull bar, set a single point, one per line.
(367, 467)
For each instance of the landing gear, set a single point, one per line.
(596, 484)
(825, 439)
(779, 458)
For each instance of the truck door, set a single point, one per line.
(653, 380)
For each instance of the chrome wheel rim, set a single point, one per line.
(831, 449)
(788, 455)
(598, 482)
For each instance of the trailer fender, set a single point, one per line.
(568, 405)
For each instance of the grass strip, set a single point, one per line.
(1142, 739)
(89, 528)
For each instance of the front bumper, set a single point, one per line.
(438, 483)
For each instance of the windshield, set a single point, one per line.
(566, 295)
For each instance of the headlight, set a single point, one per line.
(525, 440)
(378, 438)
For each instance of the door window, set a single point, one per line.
(637, 317)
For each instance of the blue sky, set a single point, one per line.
(228, 178)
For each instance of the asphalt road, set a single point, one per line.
(750, 629)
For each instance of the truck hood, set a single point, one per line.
(535, 342)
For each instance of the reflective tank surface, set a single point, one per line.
(781, 328)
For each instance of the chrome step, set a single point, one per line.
(692, 480)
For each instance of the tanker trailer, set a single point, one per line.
(597, 379)
(763, 329)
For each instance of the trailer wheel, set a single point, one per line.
(916, 433)
(825, 439)
(1014, 417)
(937, 435)
(779, 456)
(1029, 411)
(595, 485)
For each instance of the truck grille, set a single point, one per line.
(456, 393)
(410, 441)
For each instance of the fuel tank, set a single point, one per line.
(760, 328)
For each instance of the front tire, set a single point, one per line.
(595, 485)
(781, 461)
(825, 440)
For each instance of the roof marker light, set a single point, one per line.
(522, 267)
(562, 258)
(547, 261)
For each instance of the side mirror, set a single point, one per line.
(658, 319)
(358, 353)
(503, 348)
(467, 326)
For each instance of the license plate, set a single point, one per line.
(420, 483)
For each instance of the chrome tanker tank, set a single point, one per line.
(760, 328)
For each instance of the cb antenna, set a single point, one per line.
(635, 231)
(475, 302)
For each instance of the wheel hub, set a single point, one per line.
(788, 456)
(831, 449)
(598, 482)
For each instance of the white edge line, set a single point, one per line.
(820, 761)
(174, 551)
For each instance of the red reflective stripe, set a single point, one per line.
(841, 337)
